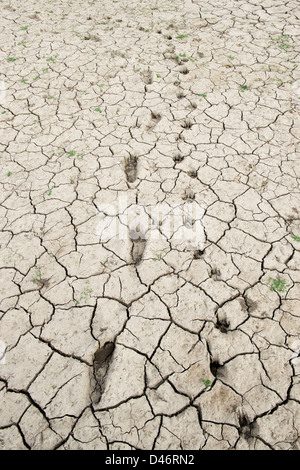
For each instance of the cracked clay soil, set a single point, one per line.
(119, 330)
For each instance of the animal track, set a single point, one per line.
(178, 158)
(198, 254)
(187, 124)
(155, 118)
(180, 95)
(184, 70)
(214, 367)
(215, 273)
(147, 77)
(189, 194)
(222, 325)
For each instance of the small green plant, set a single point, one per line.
(207, 383)
(49, 191)
(85, 294)
(283, 42)
(99, 110)
(9, 173)
(278, 284)
(181, 36)
(189, 58)
(24, 28)
(38, 275)
(159, 256)
(73, 153)
(296, 238)
(11, 59)
(244, 88)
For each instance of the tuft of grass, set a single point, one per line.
(244, 88)
(207, 383)
(49, 191)
(296, 238)
(186, 57)
(51, 59)
(283, 42)
(278, 284)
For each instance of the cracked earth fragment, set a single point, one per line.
(149, 217)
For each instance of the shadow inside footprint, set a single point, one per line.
(147, 77)
(156, 117)
(102, 358)
(222, 325)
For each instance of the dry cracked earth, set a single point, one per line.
(150, 225)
